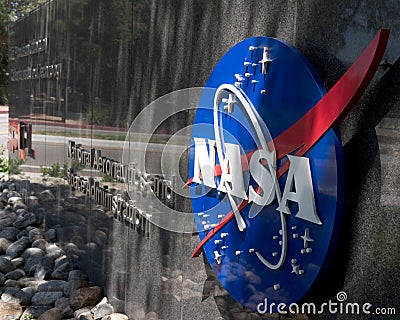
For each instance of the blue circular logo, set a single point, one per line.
(267, 208)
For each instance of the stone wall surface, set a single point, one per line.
(118, 56)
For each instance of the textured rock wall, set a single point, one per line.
(178, 46)
(187, 39)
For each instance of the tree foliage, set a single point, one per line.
(9, 12)
(5, 18)
(19, 8)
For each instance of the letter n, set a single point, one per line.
(204, 162)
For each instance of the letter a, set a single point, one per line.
(299, 188)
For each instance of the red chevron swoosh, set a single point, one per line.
(330, 110)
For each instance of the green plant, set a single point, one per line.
(99, 115)
(107, 178)
(14, 165)
(3, 161)
(76, 165)
(58, 171)
(54, 171)
(10, 165)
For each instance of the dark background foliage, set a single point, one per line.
(10, 11)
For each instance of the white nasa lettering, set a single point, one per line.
(232, 172)
(204, 162)
(298, 186)
(263, 177)
(299, 179)
(231, 167)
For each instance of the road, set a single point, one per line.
(53, 149)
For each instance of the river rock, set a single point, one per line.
(35, 234)
(46, 195)
(46, 298)
(77, 275)
(6, 265)
(15, 295)
(9, 233)
(116, 316)
(72, 249)
(35, 311)
(40, 214)
(53, 285)
(30, 282)
(52, 314)
(102, 309)
(6, 222)
(42, 272)
(16, 249)
(32, 201)
(28, 290)
(15, 274)
(50, 235)
(74, 285)
(41, 244)
(14, 199)
(10, 311)
(25, 220)
(12, 283)
(18, 262)
(20, 205)
(4, 244)
(85, 296)
(63, 305)
(24, 232)
(54, 251)
(36, 262)
(83, 314)
(32, 252)
(61, 272)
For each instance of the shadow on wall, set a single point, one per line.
(367, 258)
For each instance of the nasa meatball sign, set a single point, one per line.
(266, 166)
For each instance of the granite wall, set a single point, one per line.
(118, 56)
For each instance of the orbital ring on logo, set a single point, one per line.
(277, 183)
(262, 147)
